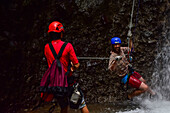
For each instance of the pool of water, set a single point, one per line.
(150, 106)
(139, 105)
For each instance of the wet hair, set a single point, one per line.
(55, 35)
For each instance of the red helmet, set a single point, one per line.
(55, 27)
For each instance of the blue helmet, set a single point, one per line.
(115, 40)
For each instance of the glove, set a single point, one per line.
(117, 58)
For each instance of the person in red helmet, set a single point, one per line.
(56, 34)
(119, 64)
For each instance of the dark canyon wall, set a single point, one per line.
(89, 26)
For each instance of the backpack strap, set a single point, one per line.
(57, 57)
(68, 69)
(61, 50)
(53, 50)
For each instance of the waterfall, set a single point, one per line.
(161, 76)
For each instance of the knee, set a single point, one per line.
(143, 80)
(145, 88)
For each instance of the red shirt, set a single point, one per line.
(67, 55)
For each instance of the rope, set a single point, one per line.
(130, 27)
(93, 58)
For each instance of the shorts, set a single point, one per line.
(134, 80)
(136, 75)
(83, 103)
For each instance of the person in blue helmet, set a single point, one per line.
(119, 64)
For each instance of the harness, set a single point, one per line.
(125, 79)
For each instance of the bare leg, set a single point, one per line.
(135, 93)
(84, 109)
(143, 80)
(143, 88)
(149, 90)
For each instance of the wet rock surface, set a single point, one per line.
(89, 26)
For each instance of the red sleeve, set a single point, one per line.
(72, 54)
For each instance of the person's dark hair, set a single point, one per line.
(54, 35)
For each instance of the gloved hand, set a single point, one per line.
(117, 58)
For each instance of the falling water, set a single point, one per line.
(161, 76)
